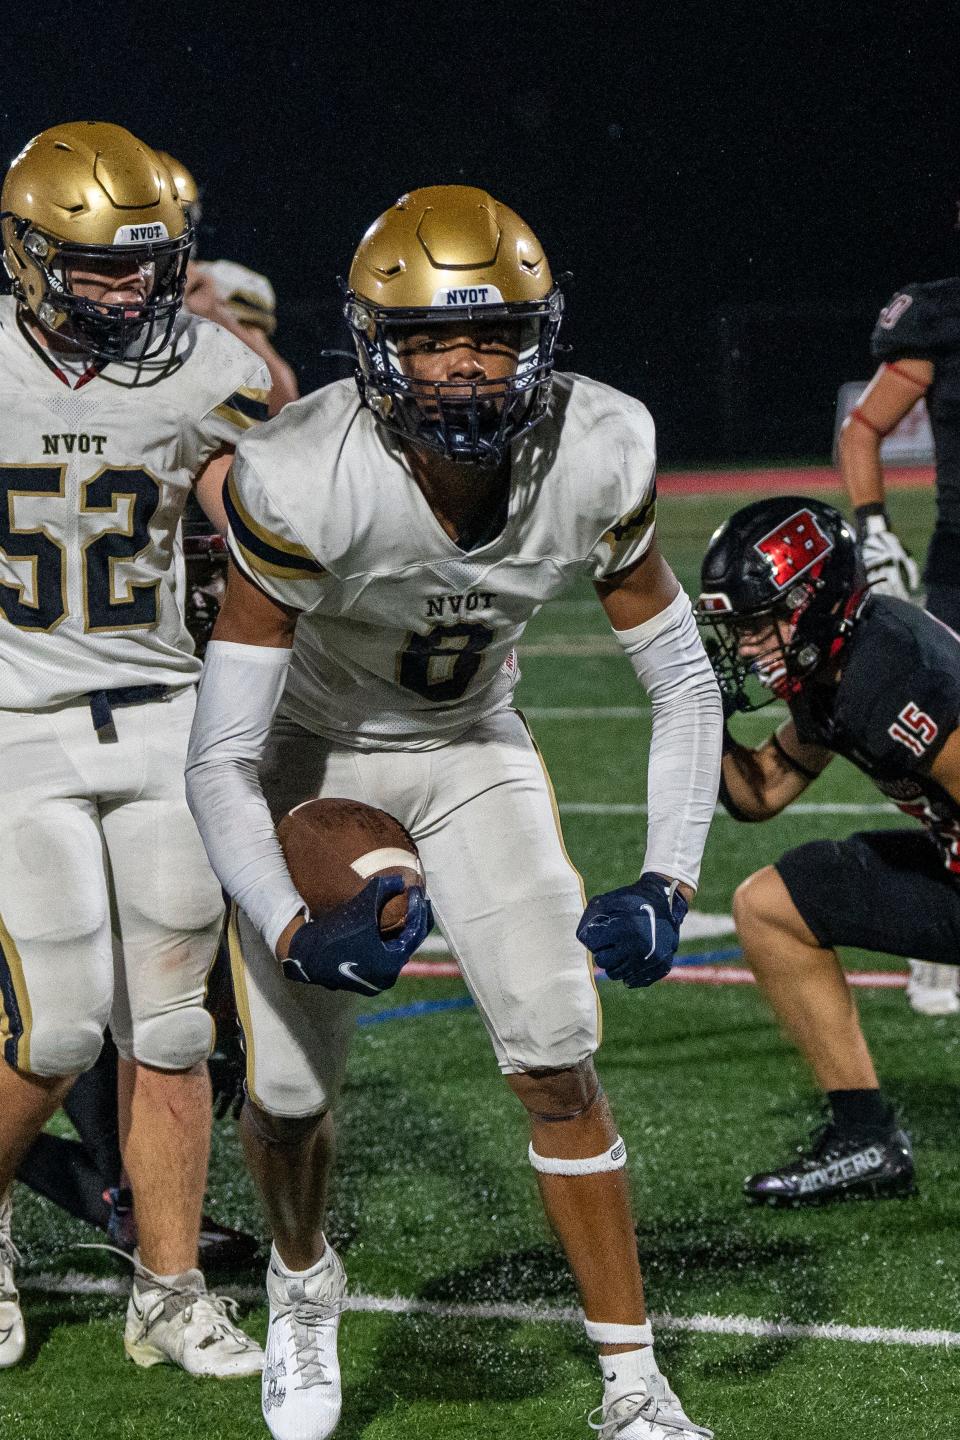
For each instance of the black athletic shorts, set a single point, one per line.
(880, 890)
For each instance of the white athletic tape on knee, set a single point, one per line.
(602, 1334)
(613, 1159)
(385, 859)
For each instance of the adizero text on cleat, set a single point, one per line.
(835, 1166)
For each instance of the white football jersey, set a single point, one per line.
(94, 474)
(406, 640)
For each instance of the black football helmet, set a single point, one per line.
(789, 560)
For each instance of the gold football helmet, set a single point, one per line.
(185, 187)
(452, 254)
(80, 195)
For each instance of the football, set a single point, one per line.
(333, 847)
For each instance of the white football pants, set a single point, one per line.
(109, 911)
(504, 893)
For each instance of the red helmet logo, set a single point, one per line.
(796, 547)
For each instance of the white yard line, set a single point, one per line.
(576, 607)
(75, 1283)
(830, 807)
(562, 647)
(698, 925)
(625, 712)
(585, 712)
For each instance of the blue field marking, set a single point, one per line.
(419, 1007)
(700, 957)
(710, 957)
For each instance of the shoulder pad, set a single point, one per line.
(900, 709)
(919, 322)
(221, 365)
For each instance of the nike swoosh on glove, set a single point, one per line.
(633, 932)
(344, 950)
(891, 570)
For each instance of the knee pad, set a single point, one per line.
(175, 1041)
(169, 885)
(284, 1095)
(56, 1048)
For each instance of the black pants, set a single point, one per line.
(885, 890)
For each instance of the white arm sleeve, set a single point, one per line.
(240, 689)
(683, 772)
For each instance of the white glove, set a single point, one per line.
(890, 569)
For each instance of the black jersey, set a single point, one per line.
(922, 322)
(895, 706)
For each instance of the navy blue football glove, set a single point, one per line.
(344, 950)
(633, 932)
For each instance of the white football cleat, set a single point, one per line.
(641, 1405)
(13, 1339)
(932, 988)
(301, 1392)
(184, 1324)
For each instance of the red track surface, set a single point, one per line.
(799, 480)
(683, 974)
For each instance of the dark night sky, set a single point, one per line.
(785, 166)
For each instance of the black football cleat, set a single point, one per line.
(836, 1166)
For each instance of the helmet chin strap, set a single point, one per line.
(851, 613)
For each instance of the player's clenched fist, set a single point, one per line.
(633, 932)
(344, 949)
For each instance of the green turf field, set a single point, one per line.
(435, 1203)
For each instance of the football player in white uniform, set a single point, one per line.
(114, 406)
(407, 536)
(83, 1175)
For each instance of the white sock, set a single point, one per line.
(174, 1281)
(629, 1371)
(317, 1268)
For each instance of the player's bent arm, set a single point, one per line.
(208, 488)
(203, 298)
(653, 621)
(891, 394)
(244, 673)
(945, 769)
(758, 784)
